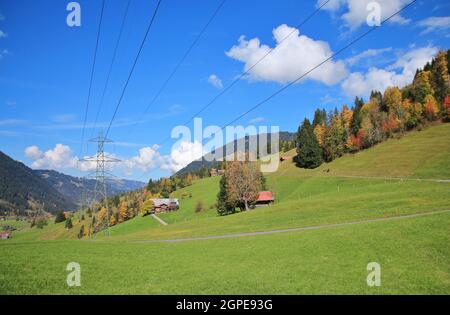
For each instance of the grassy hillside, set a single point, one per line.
(418, 154)
(413, 255)
(413, 252)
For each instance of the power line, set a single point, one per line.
(92, 77)
(317, 66)
(112, 64)
(242, 75)
(185, 55)
(181, 61)
(134, 65)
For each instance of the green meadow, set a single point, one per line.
(403, 176)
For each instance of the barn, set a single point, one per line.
(265, 198)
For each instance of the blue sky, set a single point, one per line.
(45, 69)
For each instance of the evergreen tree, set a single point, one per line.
(60, 217)
(309, 152)
(440, 77)
(223, 206)
(320, 117)
(357, 117)
(69, 224)
(81, 233)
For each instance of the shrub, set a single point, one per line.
(60, 217)
(199, 206)
(41, 223)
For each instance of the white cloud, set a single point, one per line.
(215, 81)
(33, 152)
(3, 34)
(182, 155)
(398, 74)
(147, 159)
(61, 158)
(354, 12)
(369, 53)
(58, 158)
(435, 23)
(294, 56)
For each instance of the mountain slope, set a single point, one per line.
(354, 187)
(209, 162)
(22, 189)
(72, 187)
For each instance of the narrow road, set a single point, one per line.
(434, 180)
(154, 216)
(307, 228)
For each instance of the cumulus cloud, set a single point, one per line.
(354, 12)
(147, 159)
(294, 55)
(61, 158)
(398, 74)
(181, 155)
(435, 23)
(215, 81)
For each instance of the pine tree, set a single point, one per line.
(60, 217)
(440, 77)
(81, 233)
(223, 206)
(68, 224)
(356, 118)
(309, 152)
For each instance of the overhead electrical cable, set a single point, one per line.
(111, 65)
(134, 65)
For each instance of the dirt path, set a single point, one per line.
(392, 178)
(317, 227)
(154, 216)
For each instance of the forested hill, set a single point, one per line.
(21, 189)
(206, 162)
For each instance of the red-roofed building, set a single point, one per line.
(5, 235)
(265, 198)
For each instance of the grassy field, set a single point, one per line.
(413, 254)
(394, 178)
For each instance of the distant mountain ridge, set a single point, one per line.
(72, 187)
(207, 161)
(22, 188)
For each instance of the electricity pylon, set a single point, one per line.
(101, 175)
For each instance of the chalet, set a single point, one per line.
(5, 235)
(215, 172)
(265, 198)
(165, 205)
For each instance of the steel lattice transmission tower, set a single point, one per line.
(101, 175)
